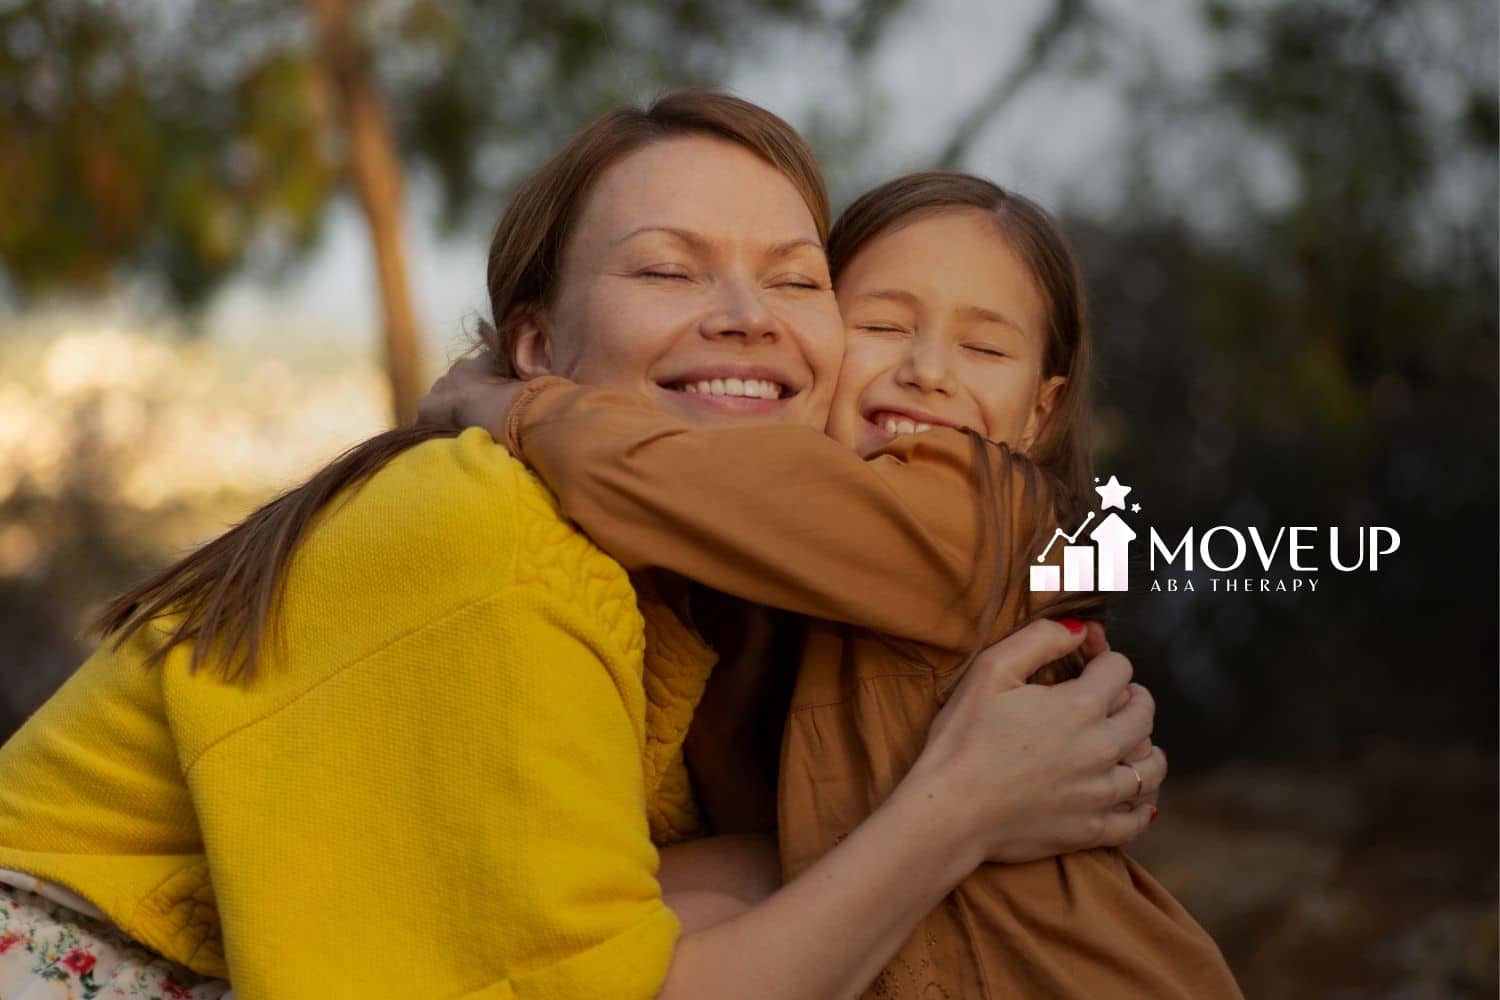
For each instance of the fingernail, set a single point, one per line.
(1071, 624)
(1154, 812)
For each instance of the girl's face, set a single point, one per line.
(945, 327)
(695, 276)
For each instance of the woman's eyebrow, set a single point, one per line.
(698, 241)
(692, 239)
(791, 246)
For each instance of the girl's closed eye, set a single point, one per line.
(988, 350)
(882, 326)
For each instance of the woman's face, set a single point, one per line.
(946, 326)
(695, 276)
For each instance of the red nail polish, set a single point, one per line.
(1071, 624)
(1153, 815)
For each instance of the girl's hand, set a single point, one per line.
(470, 394)
(1027, 771)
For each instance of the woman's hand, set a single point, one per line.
(1027, 771)
(470, 394)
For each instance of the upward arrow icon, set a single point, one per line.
(1113, 537)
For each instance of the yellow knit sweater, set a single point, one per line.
(452, 785)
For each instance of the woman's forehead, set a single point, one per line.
(709, 187)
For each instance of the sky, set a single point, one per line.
(1058, 142)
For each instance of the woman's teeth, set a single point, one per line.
(754, 388)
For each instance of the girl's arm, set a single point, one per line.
(1011, 772)
(780, 515)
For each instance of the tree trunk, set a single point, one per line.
(378, 183)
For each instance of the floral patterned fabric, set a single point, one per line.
(50, 952)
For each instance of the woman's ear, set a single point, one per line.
(1046, 398)
(532, 346)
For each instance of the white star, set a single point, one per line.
(1112, 493)
(1135, 508)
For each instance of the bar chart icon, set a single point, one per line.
(1085, 568)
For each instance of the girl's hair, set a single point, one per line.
(225, 594)
(1061, 451)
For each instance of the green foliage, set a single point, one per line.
(183, 142)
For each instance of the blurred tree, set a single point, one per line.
(185, 142)
(377, 179)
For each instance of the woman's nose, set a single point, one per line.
(740, 313)
(927, 366)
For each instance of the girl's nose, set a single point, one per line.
(927, 366)
(740, 313)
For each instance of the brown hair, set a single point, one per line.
(1061, 452)
(226, 592)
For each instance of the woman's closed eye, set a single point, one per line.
(665, 272)
(799, 281)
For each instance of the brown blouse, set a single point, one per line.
(886, 556)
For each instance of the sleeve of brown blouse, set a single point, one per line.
(780, 515)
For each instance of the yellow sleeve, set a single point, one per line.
(783, 515)
(459, 809)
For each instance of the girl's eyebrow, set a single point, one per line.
(983, 315)
(698, 241)
(891, 295)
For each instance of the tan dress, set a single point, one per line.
(889, 556)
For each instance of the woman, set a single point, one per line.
(403, 732)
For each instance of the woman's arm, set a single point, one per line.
(779, 515)
(711, 879)
(1011, 772)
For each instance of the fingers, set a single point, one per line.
(1022, 653)
(1095, 641)
(1126, 826)
(1152, 770)
(1138, 752)
(475, 366)
(1131, 724)
(437, 407)
(1102, 684)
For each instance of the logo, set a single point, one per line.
(1287, 559)
(1102, 566)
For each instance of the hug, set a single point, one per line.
(481, 709)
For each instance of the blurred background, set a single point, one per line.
(236, 238)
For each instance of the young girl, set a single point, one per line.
(959, 416)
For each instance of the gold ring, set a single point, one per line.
(1139, 784)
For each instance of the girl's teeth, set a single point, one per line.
(895, 425)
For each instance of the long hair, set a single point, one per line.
(1060, 465)
(224, 596)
